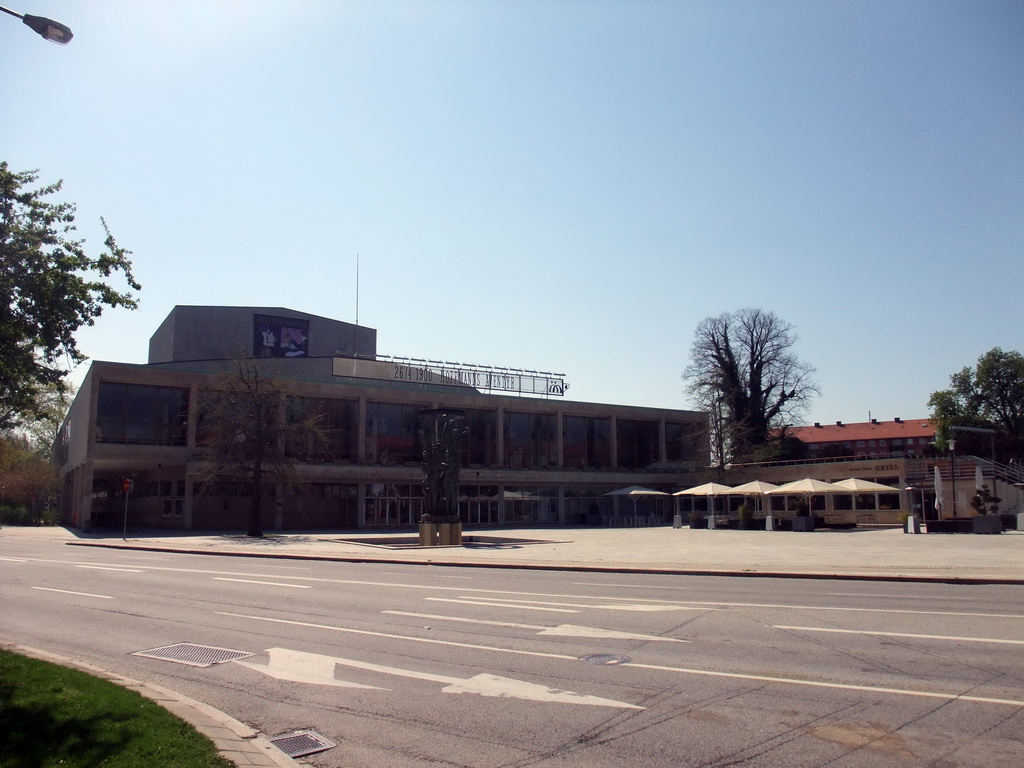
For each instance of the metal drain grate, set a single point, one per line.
(193, 655)
(605, 658)
(301, 743)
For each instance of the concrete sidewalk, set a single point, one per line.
(875, 554)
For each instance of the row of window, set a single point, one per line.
(154, 415)
(896, 444)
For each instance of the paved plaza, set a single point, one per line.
(870, 553)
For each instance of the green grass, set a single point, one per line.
(54, 716)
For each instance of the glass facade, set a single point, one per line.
(530, 504)
(338, 419)
(480, 444)
(637, 443)
(382, 434)
(587, 442)
(683, 441)
(478, 504)
(531, 440)
(391, 433)
(141, 414)
(393, 504)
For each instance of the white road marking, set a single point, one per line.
(315, 668)
(429, 641)
(69, 592)
(797, 607)
(562, 630)
(467, 601)
(268, 583)
(13, 560)
(838, 686)
(901, 634)
(656, 667)
(110, 568)
(904, 597)
(438, 587)
(299, 667)
(635, 607)
(286, 567)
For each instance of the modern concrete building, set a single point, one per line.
(529, 455)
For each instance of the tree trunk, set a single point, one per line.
(255, 525)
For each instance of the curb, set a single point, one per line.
(920, 579)
(234, 740)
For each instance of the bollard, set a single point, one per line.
(677, 521)
(769, 523)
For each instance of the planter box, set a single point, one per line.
(802, 523)
(952, 525)
(987, 524)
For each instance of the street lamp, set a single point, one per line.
(952, 470)
(48, 29)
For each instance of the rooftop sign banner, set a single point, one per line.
(410, 371)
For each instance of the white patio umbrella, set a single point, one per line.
(635, 491)
(856, 485)
(808, 487)
(757, 488)
(938, 491)
(707, 489)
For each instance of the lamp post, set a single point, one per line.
(46, 28)
(952, 470)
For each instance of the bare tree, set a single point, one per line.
(246, 428)
(744, 371)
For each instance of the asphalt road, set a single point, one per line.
(432, 666)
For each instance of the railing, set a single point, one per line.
(962, 468)
(833, 460)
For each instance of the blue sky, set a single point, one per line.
(566, 186)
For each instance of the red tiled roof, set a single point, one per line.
(867, 430)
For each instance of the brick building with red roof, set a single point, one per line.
(899, 437)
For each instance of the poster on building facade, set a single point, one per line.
(274, 336)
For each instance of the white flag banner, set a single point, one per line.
(938, 490)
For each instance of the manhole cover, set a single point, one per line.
(193, 655)
(301, 743)
(605, 658)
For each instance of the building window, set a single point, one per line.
(337, 420)
(392, 504)
(391, 433)
(530, 440)
(586, 442)
(140, 414)
(637, 443)
(684, 442)
(530, 504)
(480, 443)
